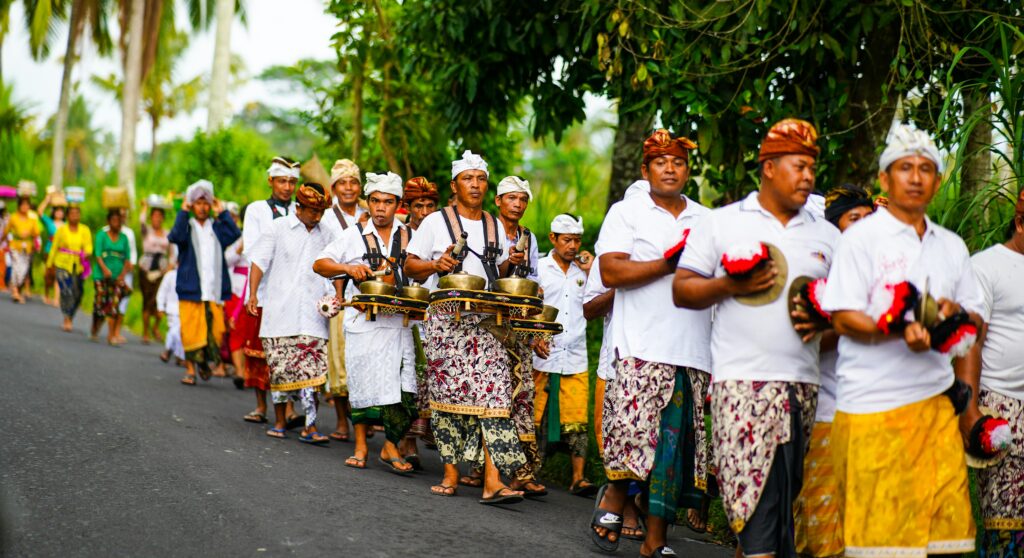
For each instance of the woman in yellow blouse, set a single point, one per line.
(25, 230)
(72, 246)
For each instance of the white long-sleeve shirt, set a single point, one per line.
(167, 295)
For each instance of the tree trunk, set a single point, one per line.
(977, 169)
(357, 108)
(220, 74)
(130, 97)
(60, 124)
(627, 151)
(155, 124)
(869, 111)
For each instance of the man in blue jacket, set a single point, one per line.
(203, 280)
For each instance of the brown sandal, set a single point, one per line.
(442, 490)
(189, 380)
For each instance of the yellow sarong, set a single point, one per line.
(337, 376)
(572, 400)
(194, 329)
(819, 527)
(902, 480)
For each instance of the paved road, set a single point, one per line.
(103, 452)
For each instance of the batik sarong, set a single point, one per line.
(1001, 486)
(461, 439)
(902, 480)
(296, 362)
(70, 285)
(750, 420)
(523, 392)
(671, 482)
(819, 525)
(107, 297)
(396, 418)
(21, 267)
(202, 327)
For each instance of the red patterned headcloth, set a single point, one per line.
(661, 143)
(420, 187)
(791, 136)
(314, 196)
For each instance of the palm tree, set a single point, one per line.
(221, 66)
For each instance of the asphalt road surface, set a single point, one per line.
(104, 453)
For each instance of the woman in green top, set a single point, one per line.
(113, 263)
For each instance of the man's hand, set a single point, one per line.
(218, 206)
(917, 337)
(585, 255)
(761, 279)
(806, 328)
(515, 257)
(968, 418)
(359, 272)
(541, 348)
(186, 206)
(947, 308)
(252, 306)
(446, 263)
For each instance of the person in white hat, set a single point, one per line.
(283, 178)
(379, 357)
(462, 417)
(898, 455)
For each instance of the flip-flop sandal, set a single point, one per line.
(499, 499)
(256, 417)
(239, 382)
(189, 380)
(338, 436)
(205, 372)
(414, 460)
(445, 490)
(390, 465)
(661, 552)
(295, 422)
(527, 492)
(163, 356)
(314, 438)
(356, 462)
(702, 512)
(278, 433)
(584, 491)
(604, 519)
(472, 482)
(639, 532)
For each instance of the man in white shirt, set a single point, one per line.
(293, 333)
(346, 184)
(651, 408)
(167, 304)
(896, 443)
(469, 374)
(819, 525)
(203, 282)
(379, 356)
(282, 177)
(995, 370)
(421, 199)
(765, 373)
(561, 379)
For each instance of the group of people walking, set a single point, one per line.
(853, 357)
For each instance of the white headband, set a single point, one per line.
(344, 168)
(907, 141)
(200, 189)
(277, 169)
(389, 183)
(564, 224)
(469, 161)
(511, 184)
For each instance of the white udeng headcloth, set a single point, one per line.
(389, 183)
(199, 189)
(344, 168)
(511, 184)
(906, 141)
(564, 224)
(277, 169)
(469, 161)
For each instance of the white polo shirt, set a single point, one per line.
(1000, 273)
(349, 249)
(880, 251)
(207, 257)
(432, 239)
(290, 288)
(758, 342)
(565, 292)
(593, 289)
(646, 324)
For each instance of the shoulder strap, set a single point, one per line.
(490, 230)
(341, 218)
(371, 249)
(452, 222)
(400, 242)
